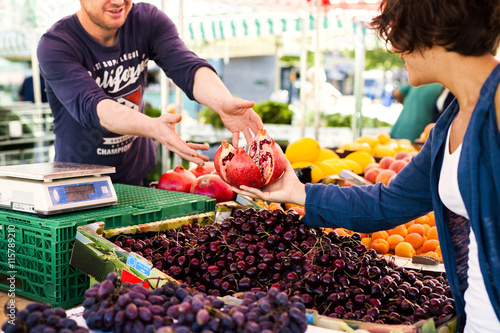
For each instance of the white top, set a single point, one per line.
(481, 317)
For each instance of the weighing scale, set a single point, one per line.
(54, 188)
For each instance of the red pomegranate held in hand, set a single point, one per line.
(178, 179)
(262, 165)
(212, 186)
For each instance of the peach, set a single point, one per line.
(371, 175)
(407, 159)
(385, 176)
(386, 161)
(371, 166)
(397, 165)
(400, 155)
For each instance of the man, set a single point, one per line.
(95, 66)
(418, 107)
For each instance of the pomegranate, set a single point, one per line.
(262, 165)
(202, 170)
(178, 179)
(212, 186)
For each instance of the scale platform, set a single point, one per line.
(56, 187)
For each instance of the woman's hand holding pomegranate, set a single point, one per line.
(287, 189)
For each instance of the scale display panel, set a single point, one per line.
(63, 194)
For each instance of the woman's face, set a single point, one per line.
(421, 65)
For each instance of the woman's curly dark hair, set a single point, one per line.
(467, 27)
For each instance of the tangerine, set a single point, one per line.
(275, 205)
(438, 251)
(341, 231)
(300, 210)
(381, 246)
(410, 223)
(380, 235)
(304, 149)
(415, 239)
(404, 249)
(367, 241)
(432, 219)
(418, 228)
(400, 230)
(383, 137)
(432, 254)
(422, 220)
(432, 233)
(394, 240)
(430, 245)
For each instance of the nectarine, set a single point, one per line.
(401, 155)
(371, 175)
(385, 176)
(370, 166)
(397, 165)
(386, 161)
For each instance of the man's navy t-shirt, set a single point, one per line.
(80, 72)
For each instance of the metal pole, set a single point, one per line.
(277, 66)
(164, 100)
(359, 67)
(303, 70)
(317, 66)
(178, 91)
(36, 70)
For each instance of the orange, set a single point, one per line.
(404, 249)
(416, 240)
(432, 254)
(362, 158)
(304, 149)
(325, 154)
(400, 230)
(418, 228)
(438, 251)
(432, 219)
(425, 134)
(299, 209)
(381, 246)
(422, 220)
(380, 234)
(426, 227)
(341, 232)
(394, 240)
(430, 245)
(432, 233)
(383, 137)
(274, 205)
(408, 224)
(367, 241)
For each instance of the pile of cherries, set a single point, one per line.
(123, 307)
(258, 250)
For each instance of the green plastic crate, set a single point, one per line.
(43, 246)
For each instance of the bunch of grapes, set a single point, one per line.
(40, 318)
(124, 307)
(258, 312)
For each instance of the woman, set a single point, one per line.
(457, 172)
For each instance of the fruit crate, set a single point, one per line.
(39, 259)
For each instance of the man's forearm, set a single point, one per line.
(209, 90)
(120, 119)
